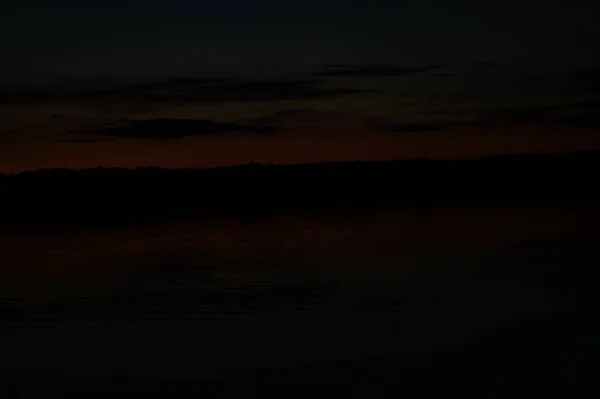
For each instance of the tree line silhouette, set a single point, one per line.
(64, 196)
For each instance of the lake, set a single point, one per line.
(374, 303)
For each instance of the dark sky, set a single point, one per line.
(188, 83)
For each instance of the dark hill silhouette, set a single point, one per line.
(63, 197)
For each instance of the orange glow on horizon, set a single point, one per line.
(288, 149)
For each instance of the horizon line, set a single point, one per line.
(358, 161)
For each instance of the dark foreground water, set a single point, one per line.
(479, 302)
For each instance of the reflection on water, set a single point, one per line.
(201, 300)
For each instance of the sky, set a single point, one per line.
(179, 83)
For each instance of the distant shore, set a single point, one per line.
(63, 196)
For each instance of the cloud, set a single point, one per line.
(237, 91)
(82, 141)
(584, 113)
(328, 121)
(19, 95)
(166, 129)
(344, 120)
(373, 70)
(412, 128)
(311, 86)
(299, 116)
(178, 91)
(581, 84)
(175, 83)
(586, 82)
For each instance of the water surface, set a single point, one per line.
(379, 302)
